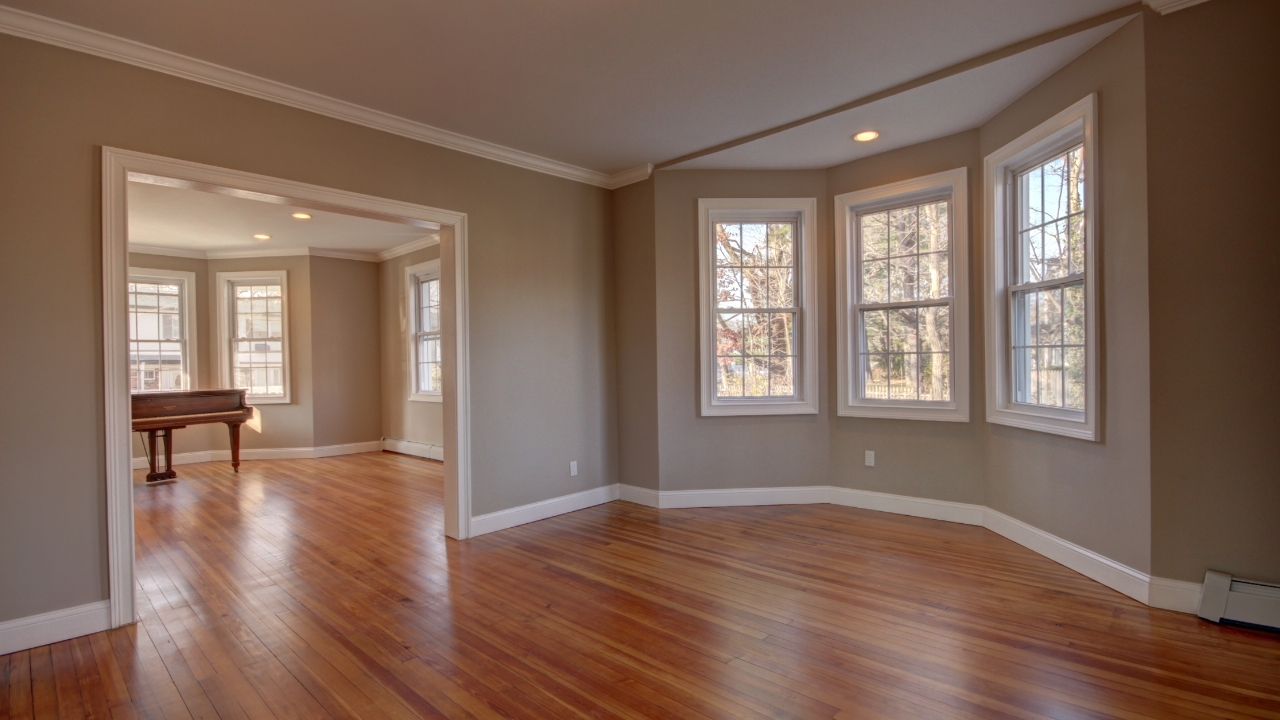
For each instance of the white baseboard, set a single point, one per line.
(542, 510)
(417, 449)
(947, 510)
(1157, 592)
(1117, 576)
(323, 451)
(51, 627)
(1178, 595)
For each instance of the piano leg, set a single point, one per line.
(155, 475)
(234, 429)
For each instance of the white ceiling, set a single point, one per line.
(947, 106)
(604, 85)
(205, 222)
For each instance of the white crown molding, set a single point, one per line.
(631, 175)
(1164, 7)
(73, 37)
(397, 251)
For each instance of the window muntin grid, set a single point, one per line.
(427, 336)
(257, 337)
(158, 357)
(756, 311)
(904, 303)
(1048, 294)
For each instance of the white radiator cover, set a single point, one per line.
(1239, 600)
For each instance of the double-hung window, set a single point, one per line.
(902, 311)
(758, 329)
(1042, 301)
(161, 330)
(425, 357)
(253, 326)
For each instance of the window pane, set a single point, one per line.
(756, 377)
(875, 331)
(729, 287)
(781, 376)
(903, 231)
(875, 377)
(1049, 346)
(729, 376)
(728, 244)
(875, 281)
(728, 334)
(934, 231)
(902, 330)
(157, 360)
(875, 236)
(935, 329)
(257, 358)
(755, 333)
(781, 292)
(902, 278)
(935, 377)
(781, 334)
(934, 282)
(1056, 249)
(781, 244)
(755, 247)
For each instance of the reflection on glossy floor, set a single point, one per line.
(324, 588)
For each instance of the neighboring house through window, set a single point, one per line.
(1042, 301)
(253, 326)
(161, 330)
(759, 331)
(425, 352)
(902, 311)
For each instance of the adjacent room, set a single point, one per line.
(679, 360)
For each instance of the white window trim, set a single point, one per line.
(414, 274)
(954, 185)
(804, 212)
(1076, 124)
(190, 328)
(224, 280)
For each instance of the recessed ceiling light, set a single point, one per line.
(262, 236)
(302, 216)
(866, 136)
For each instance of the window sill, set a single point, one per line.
(894, 412)
(426, 397)
(1078, 429)
(792, 407)
(267, 399)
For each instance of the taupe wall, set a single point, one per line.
(346, 351)
(541, 305)
(1095, 494)
(726, 452)
(1213, 113)
(939, 460)
(402, 419)
(637, 339)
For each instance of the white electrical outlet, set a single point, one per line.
(573, 468)
(871, 458)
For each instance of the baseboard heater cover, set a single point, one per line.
(1238, 600)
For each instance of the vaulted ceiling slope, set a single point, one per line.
(597, 86)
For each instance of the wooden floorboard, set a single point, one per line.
(326, 589)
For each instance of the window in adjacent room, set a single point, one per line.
(425, 355)
(254, 324)
(902, 315)
(759, 344)
(1043, 305)
(161, 330)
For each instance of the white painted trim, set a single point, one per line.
(190, 320)
(223, 293)
(1115, 575)
(295, 453)
(397, 251)
(73, 37)
(117, 168)
(1164, 7)
(1076, 123)
(632, 175)
(804, 212)
(1156, 592)
(416, 449)
(542, 510)
(1176, 595)
(955, 185)
(51, 627)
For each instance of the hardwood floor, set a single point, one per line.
(325, 589)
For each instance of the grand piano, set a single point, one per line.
(160, 413)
